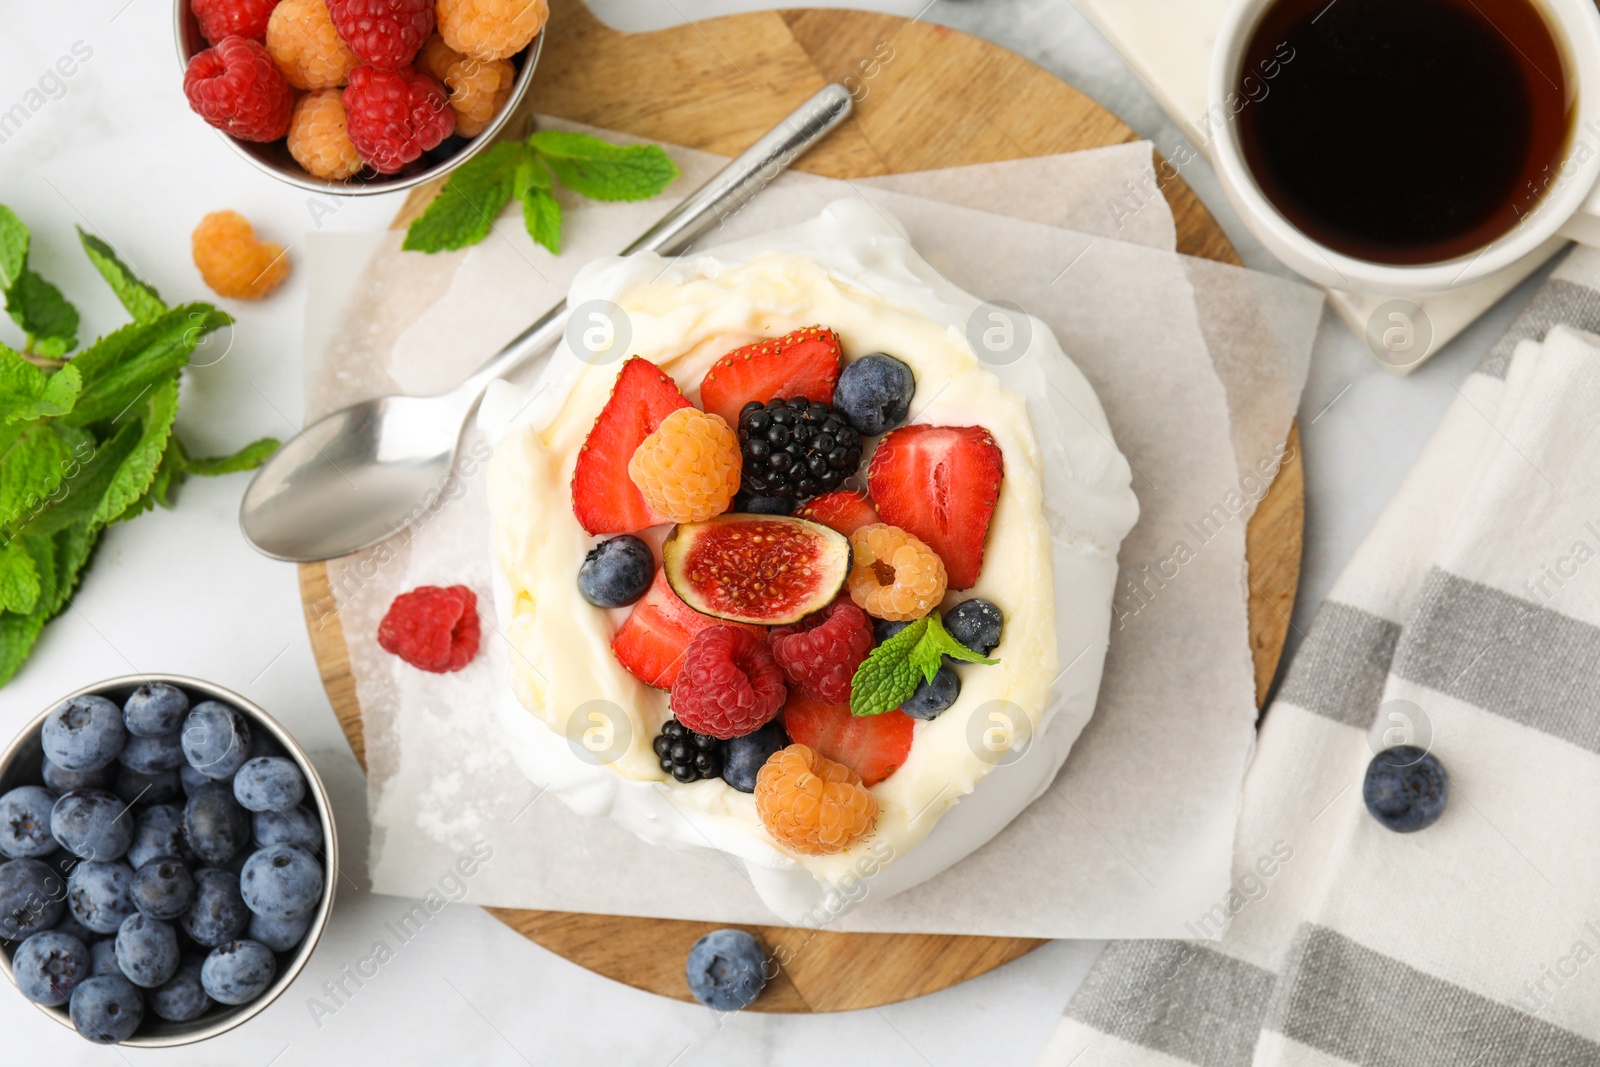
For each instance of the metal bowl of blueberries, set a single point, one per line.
(167, 859)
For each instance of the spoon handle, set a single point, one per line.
(702, 210)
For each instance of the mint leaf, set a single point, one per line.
(888, 676)
(138, 469)
(13, 247)
(17, 636)
(604, 171)
(247, 458)
(34, 461)
(937, 644)
(90, 474)
(43, 313)
(138, 296)
(28, 393)
(73, 547)
(19, 579)
(119, 368)
(465, 209)
(541, 213)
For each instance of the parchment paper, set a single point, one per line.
(1134, 839)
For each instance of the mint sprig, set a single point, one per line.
(526, 171)
(891, 673)
(88, 441)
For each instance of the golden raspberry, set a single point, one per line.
(479, 88)
(318, 139)
(491, 29)
(894, 576)
(688, 470)
(302, 41)
(812, 804)
(232, 261)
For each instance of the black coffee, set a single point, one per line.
(1405, 131)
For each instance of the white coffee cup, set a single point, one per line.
(1576, 26)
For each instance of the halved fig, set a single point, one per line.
(764, 569)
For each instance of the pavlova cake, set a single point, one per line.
(788, 572)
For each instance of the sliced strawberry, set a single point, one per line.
(940, 484)
(604, 498)
(844, 510)
(652, 641)
(874, 746)
(803, 363)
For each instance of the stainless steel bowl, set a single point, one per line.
(20, 765)
(274, 157)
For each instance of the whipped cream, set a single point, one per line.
(1049, 564)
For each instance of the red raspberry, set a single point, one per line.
(238, 89)
(393, 116)
(383, 33)
(232, 18)
(433, 628)
(820, 653)
(729, 685)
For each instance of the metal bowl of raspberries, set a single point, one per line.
(284, 81)
(167, 860)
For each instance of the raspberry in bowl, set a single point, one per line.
(357, 97)
(168, 861)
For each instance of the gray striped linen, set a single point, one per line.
(1467, 623)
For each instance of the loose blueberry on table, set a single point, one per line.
(726, 970)
(1406, 788)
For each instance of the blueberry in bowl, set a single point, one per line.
(166, 861)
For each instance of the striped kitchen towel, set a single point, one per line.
(1467, 623)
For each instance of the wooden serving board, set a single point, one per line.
(943, 99)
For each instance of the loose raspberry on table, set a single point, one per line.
(820, 653)
(729, 684)
(384, 33)
(812, 804)
(318, 138)
(233, 261)
(893, 575)
(232, 18)
(688, 470)
(433, 628)
(302, 40)
(491, 29)
(395, 115)
(237, 88)
(478, 88)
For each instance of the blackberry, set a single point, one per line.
(795, 449)
(686, 755)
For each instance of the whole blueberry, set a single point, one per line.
(976, 623)
(238, 972)
(874, 393)
(158, 831)
(617, 572)
(83, 734)
(182, 998)
(1406, 788)
(743, 757)
(281, 883)
(151, 755)
(269, 783)
(216, 739)
(48, 966)
(100, 894)
(214, 824)
(190, 779)
(280, 935)
(32, 898)
(218, 914)
(147, 951)
(755, 504)
(25, 822)
(294, 826)
(933, 697)
(163, 888)
(883, 629)
(106, 1008)
(103, 957)
(59, 780)
(92, 824)
(139, 790)
(155, 708)
(726, 970)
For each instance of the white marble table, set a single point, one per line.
(114, 149)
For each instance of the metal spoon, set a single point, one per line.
(363, 474)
